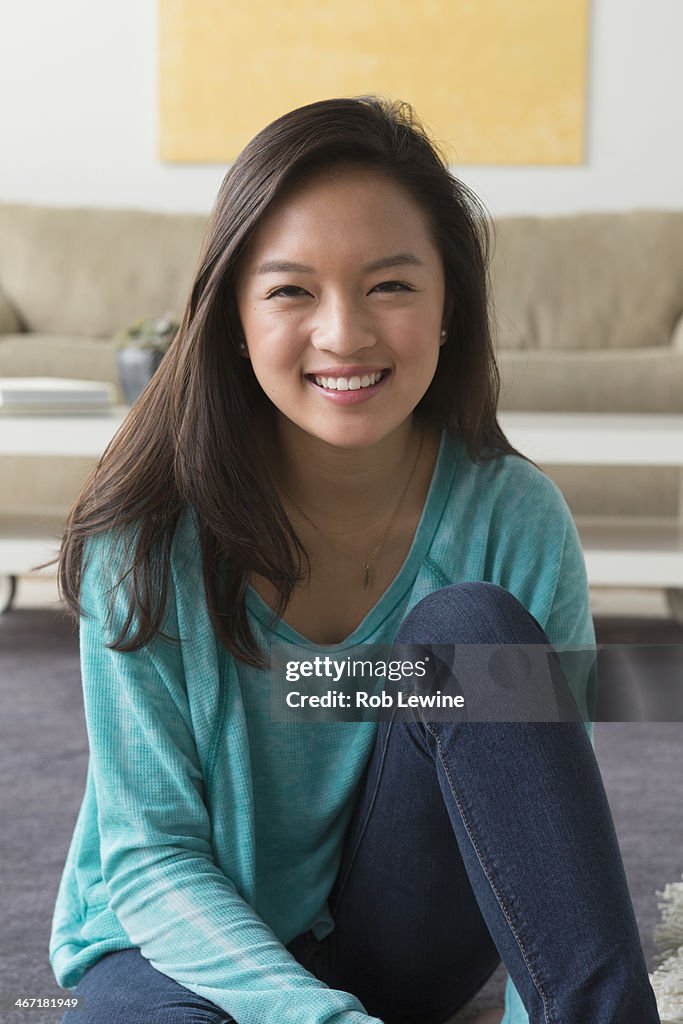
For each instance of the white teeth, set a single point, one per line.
(348, 383)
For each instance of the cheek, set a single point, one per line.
(419, 345)
(276, 362)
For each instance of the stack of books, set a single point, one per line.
(37, 395)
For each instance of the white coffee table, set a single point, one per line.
(638, 552)
(619, 553)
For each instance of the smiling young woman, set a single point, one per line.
(364, 294)
(318, 464)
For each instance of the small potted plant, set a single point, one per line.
(140, 349)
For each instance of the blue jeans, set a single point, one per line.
(470, 842)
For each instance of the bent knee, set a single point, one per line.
(474, 611)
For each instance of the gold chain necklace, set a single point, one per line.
(367, 566)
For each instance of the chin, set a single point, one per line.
(357, 437)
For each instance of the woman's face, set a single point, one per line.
(341, 298)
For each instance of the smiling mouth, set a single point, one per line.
(355, 383)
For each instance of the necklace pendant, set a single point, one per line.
(367, 577)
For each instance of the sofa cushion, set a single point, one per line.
(613, 380)
(588, 281)
(59, 355)
(91, 271)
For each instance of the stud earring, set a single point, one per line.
(242, 348)
(444, 335)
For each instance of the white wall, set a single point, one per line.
(78, 118)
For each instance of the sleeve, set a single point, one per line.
(165, 888)
(540, 560)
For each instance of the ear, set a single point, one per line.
(236, 329)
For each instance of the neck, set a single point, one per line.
(339, 485)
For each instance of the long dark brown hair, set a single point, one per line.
(191, 437)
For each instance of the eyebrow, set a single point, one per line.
(399, 259)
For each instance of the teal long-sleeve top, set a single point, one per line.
(210, 833)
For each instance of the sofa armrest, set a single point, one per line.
(9, 321)
(677, 335)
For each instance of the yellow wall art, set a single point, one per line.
(495, 81)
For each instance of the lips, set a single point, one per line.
(352, 392)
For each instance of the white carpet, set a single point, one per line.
(667, 980)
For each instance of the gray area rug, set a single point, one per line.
(43, 760)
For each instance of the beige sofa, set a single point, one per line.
(589, 311)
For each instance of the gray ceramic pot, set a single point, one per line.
(136, 368)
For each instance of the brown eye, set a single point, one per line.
(393, 286)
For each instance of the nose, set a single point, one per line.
(342, 327)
